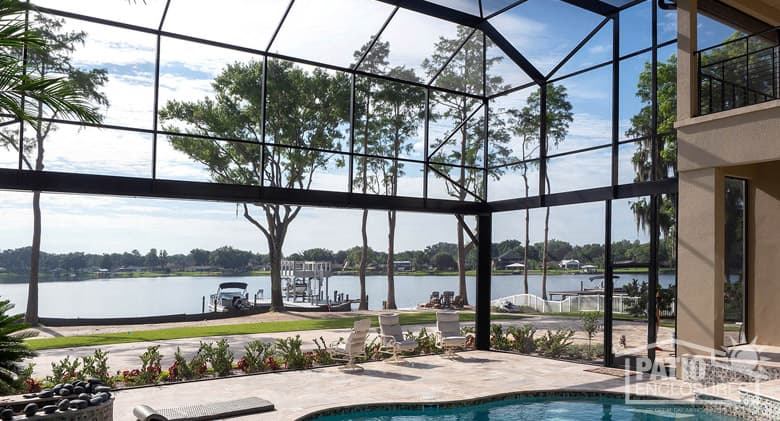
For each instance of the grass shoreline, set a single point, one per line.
(231, 329)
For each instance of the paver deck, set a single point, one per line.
(422, 379)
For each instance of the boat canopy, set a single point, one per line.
(239, 285)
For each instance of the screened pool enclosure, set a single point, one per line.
(472, 108)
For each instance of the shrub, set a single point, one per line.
(591, 323)
(27, 382)
(372, 349)
(96, 366)
(426, 342)
(180, 369)
(289, 349)
(470, 334)
(555, 344)
(498, 340)
(150, 365)
(13, 350)
(321, 355)
(584, 352)
(218, 355)
(65, 371)
(255, 355)
(522, 338)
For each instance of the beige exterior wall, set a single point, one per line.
(763, 249)
(736, 137)
(700, 248)
(743, 143)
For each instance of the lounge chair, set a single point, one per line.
(392, 337)
(448, 337)
(212, 411)
(355, 345)
(446, 299)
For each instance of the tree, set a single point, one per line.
(375, 60)
(591, 324)
(229, 258)
(304, 109)
(13, 350)
(152, 260)
(42, 83)
(462, 70)
(200, 257)
(527, 125)
(388, 117)
(318, 254)
(444, 261)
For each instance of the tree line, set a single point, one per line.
(441, 256)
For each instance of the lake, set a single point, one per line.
(129, 297)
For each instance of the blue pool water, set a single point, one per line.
(538, 409)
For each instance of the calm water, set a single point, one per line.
(174, 295)
(538, 409)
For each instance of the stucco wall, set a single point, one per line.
(700, 249)
(741, 136)
(763, 250)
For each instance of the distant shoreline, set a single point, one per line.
(11, 278)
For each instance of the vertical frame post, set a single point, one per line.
(484, 234)
(615, 102)
(264, 92)
(426, 166)
(155, 117)
(543, 143)
(652, 279)
(609, 285)
(352, 134)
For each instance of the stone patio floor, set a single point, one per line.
(420, 379)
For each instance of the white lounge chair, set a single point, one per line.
(448, 337)
(355, 345)
(392, 337)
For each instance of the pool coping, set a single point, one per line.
(417, 405)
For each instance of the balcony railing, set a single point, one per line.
(739, 72)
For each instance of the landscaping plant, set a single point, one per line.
(426, 342)
(12, 348)
(96, 366)
(150, 365)
(591, 323)
(522, 338)
(321, 355)
(555, 344)
(64, 371)
(289, 350)
(218, 355)
(498, 340)
(256, 354)
(180, 369)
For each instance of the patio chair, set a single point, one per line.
(446, 298)
(435, 300)
(392, 337)
(448, 337)
(355, 345)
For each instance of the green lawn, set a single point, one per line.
(226, 330)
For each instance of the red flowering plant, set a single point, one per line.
(271, 363)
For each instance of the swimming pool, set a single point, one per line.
(534, 409)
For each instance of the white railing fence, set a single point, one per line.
(620, 304)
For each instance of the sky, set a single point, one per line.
(326, 31)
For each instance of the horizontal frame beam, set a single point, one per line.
(59, 182)
(623, 191)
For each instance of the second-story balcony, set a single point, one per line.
(739, 72)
